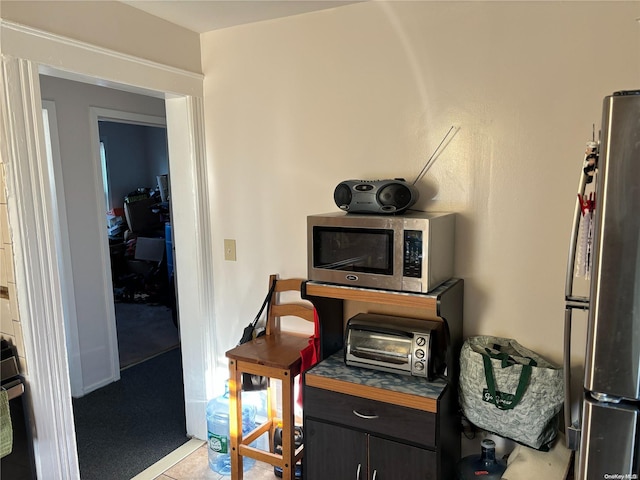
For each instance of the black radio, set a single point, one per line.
(375, 196)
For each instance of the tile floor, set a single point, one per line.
(190, 462)
(195, 466)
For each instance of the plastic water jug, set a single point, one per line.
(258, 399)
(218, 433)
(484, 466)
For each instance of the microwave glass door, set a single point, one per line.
(386, 348)
(361, 250)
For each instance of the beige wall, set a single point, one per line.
(294, 106)
(10, 326)
(111, 25)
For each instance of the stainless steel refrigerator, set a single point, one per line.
(606, 433)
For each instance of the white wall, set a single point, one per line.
(295, 105)
(136, 155)
(86, 226)
(157, 154)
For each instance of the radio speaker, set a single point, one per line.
(375, 196)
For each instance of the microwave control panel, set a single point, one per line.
(412, 264)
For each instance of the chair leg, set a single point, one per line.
(235, 419)
(288, 424)
(272, 412)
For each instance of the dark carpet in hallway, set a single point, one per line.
(144, 330)
(129, 425)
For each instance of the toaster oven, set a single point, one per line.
(395, 344)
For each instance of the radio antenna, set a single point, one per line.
(429, 163)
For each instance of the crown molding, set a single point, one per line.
(62, 56)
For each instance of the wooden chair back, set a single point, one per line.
(276, 309)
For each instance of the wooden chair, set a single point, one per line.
(276, 355)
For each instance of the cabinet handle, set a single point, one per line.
(367, 417)
(375, 474)
(358, 472)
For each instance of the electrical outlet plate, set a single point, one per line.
(230, 249)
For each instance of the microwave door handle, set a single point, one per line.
(340, 264)
(571, 263)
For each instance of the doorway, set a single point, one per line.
(93, 223)
(136, 182)
(42, 303)
(101, 416)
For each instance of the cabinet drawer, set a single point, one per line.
(393, 421)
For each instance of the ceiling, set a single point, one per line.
(205, 15)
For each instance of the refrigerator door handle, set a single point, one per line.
(571, 263)
(571, 428)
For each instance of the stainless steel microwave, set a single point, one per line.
(395, 344)
(411, 252)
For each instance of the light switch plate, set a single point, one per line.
(230, 249)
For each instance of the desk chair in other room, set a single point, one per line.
(276, 355)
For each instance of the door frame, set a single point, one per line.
(62, 245)
(26, 53)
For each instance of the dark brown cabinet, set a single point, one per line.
(336, 452)
(373, 426)
(392, 460)
(342, 453)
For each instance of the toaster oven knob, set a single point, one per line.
(419, 353)
(419, 366)
(421, 341)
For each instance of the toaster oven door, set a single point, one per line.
(389, 351)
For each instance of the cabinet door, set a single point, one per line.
(332, 452)
(391, 461)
